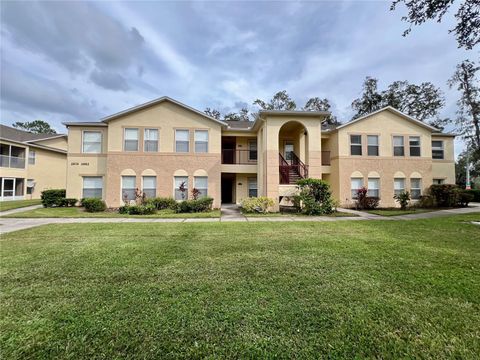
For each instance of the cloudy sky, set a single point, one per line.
(63, 61)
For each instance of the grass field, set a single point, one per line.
(76, 212)
(350, 289)
(396, 211)
(278, 214)
(10, 205)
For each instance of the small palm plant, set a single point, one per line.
(403, 199)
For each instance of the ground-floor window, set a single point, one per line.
(201, 184)
(149, 186)
(398, 186)
(374, 187)
(128, 188)
(416, 188)
(252, 187)
(181, 187)
(30, 186)
(355, 184)
(92, 187)
(438, 181)
(10, 188)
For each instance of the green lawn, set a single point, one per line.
(350, 289)
(396, 212)
(76, 212)
(276, 214)
(10, 205)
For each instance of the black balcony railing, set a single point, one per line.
(239, 157)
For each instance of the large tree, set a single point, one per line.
(317, 104)
(212, 113)
(467, 29)
(280, 101)
(242, 115)
(422, 102)
(467, 82)
(36, 127)
(473, 163)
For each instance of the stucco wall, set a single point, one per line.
(49, 171)
(58, 143)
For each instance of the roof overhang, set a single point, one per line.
(47, 138)
(84, 123)
(35, 145)
(298, 113)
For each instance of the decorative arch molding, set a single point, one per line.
(373, 174)
(356, 174)
(149, 172)
(128, 172)
(415, 175)
(180, 172)
(399, 175)
(200, 172)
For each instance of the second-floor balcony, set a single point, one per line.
(12, 162)
(239, 157)
(325, 158)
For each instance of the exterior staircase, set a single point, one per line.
(291, 172)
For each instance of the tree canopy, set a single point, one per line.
(35, 126)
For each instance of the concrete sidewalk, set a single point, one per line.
(19, 210)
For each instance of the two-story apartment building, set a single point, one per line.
(164, 146)
(31, 163)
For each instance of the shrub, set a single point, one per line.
(53, 197)
(138, 209)
(365, 202)
(314, 198)
(191, 206)
(403, 199)
(162, 203)
(464, 198)
(68, 202)
(475, 193)
(93, 204)
(425, 201)
(445, 195)
(257, 204)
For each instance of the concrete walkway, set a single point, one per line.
(229, 214)
(14, 211)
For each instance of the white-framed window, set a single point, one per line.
(356, 144)
(182, 141)
(130, 139)
(373, 187)
(31, 157)
(437, 150)
(414, 143)
(201, 141)
(92, 187)
(415, 188)
(252, 150)
(150, 140)
(373, 144)
(438, 181)
(128, 187)
(355, 185)
(398, 146)
(149, 186)
(181, 182)
(398, 185)
(201, 184)
(252, 187)
(92, 142)
(30, 186)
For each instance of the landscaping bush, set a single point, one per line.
(192, 206)
(444, 195)
(425, 201)
(365, 202)
(138, 209)
(162, 203)
(53, 197)
(403, 199)
(464, 198)
(93, 205)
(68, 202)
(314, 198)
(257, 204)
(475, 193)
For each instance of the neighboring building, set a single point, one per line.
(31, 163)
(162, 144)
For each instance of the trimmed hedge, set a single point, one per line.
(94, 205)
(192, 206)
(162, 203)
(475, 193)
(257, 204)
(53, 197)
(138, 209)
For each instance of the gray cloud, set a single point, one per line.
(109, 80)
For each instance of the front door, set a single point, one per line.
(288, 150)
(8, 188)
(227, 190)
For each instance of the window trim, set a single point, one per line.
(399, 190)
(195, 140)
(438, 149)
(419, 188)
(250, 150)
(377, 146)
(101, 141)
(249, 181)
(125, 138)
(351, 144)
(377, 189)
(196, 187)
(419, 145)
(175, 141)
(122, 187)
(145, 139)
(394, 146)
(175, 188)
(92, 176)
(362, 180)
(32, 159)
(143, 183)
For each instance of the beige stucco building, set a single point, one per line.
(31, 163)
(163, 147)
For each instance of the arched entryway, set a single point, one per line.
(293, 152)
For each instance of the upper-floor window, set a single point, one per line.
(372, 141)
(414, 142)
(31, 157)
(356, 144)
(131, 139)
(92, 142)
(150, 140)
(182, 141)
(252, 150)
(437, 149)
(201, 141)
(398, 146)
